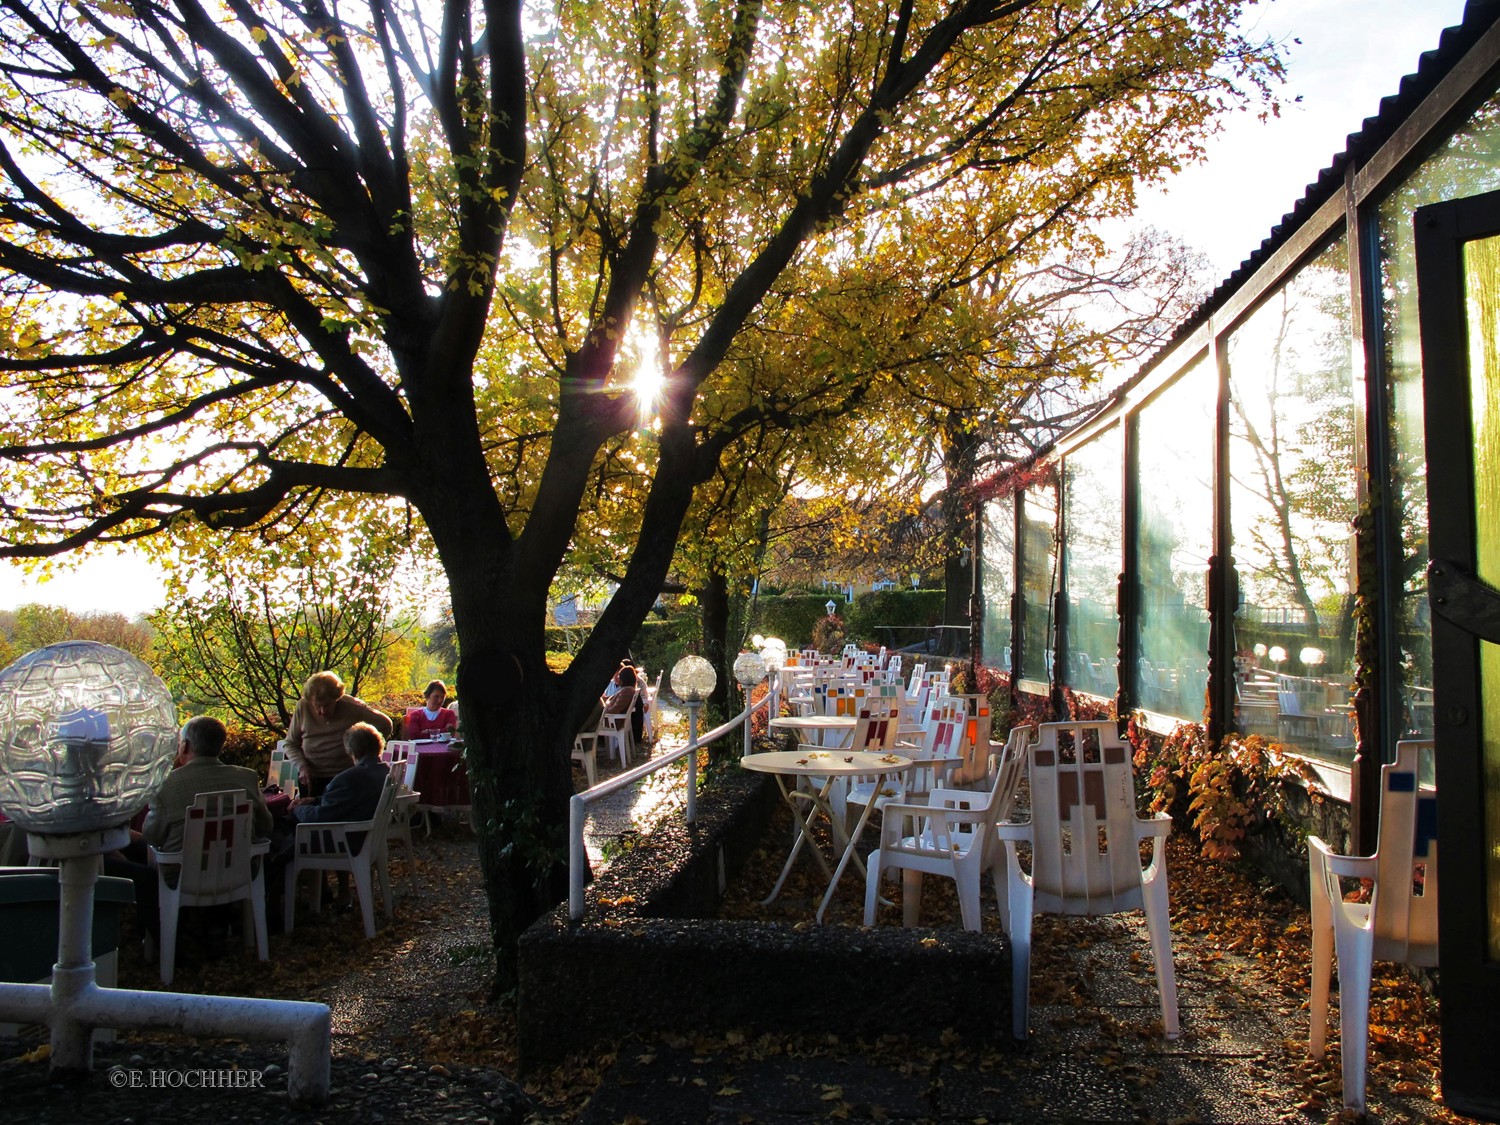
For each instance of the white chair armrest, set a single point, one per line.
(1158, 825)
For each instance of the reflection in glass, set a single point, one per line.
(997, 576)
(1482, 285)
(1176, 439)
(1292, 505)
(1038, 579)
(1469, 163)
(1092, 562)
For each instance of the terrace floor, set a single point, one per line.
(1241, 950)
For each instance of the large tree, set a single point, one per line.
(256, 255)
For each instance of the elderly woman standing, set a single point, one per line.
(315, 740)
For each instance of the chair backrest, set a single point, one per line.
(1085, 858)
(1010, 766)
(1406, 897)
(216, 843)
(404, 772)
(918, 678)
(1288, 703)
(876, 724)
(403, 763)
(282, 771)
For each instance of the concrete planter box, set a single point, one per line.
(649, 956)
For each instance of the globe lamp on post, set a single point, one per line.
(749, 670)
(693, 681)
(773, 652)
(88, 733)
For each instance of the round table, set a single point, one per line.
(828, 766)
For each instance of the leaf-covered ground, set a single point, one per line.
(417, 993)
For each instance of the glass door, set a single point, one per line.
(1458, 278)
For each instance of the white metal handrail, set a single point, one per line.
(578, 805)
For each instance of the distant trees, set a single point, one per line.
(242, 637)
(34, 625)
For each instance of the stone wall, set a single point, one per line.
(649, 956)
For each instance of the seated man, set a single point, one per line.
(196, 769)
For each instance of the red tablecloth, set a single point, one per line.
(442, 778)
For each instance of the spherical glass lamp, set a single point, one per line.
(693, 679)
(1312, 656)
(773, 652)
(749, 669)
(87, 734)
(1276, 653)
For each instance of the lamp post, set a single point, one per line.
(693, 681)
(87, 734)
(773, 652)
(749, 670)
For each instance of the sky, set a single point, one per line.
(1343, 57)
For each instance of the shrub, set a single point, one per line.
(1221, 793)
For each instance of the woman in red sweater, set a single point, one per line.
(433, 719)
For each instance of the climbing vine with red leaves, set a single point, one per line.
(1221, 792)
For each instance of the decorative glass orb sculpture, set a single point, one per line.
(693, 679)
(87, 734)
(749, 668)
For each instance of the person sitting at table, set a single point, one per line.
(196, 769)
(431, 719)
(353, 794)
(315, 739)
(616, 702)
(637, 703)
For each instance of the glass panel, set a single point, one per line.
(1292, 502)
(1469, 163)
(997, 576)
(1092, 528)
(1482, 284)
(1176, 442)
(1038, 579)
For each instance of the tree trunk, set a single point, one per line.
(960, 448)
(714, 600)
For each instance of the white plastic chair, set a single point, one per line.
(213, 867)
(1399, 923)
(951, 834)
(650, 690)
(404, 773)
(327, 846)
(586, 752)
(931, 762)
(1085, 853)
(282, 771)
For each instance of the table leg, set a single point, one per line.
(804, 830)
(849, 852)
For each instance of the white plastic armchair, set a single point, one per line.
(952, 834)
(1399, 923)
(213, 867)
(1085, 853)
(332, 846)
(931, 762)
